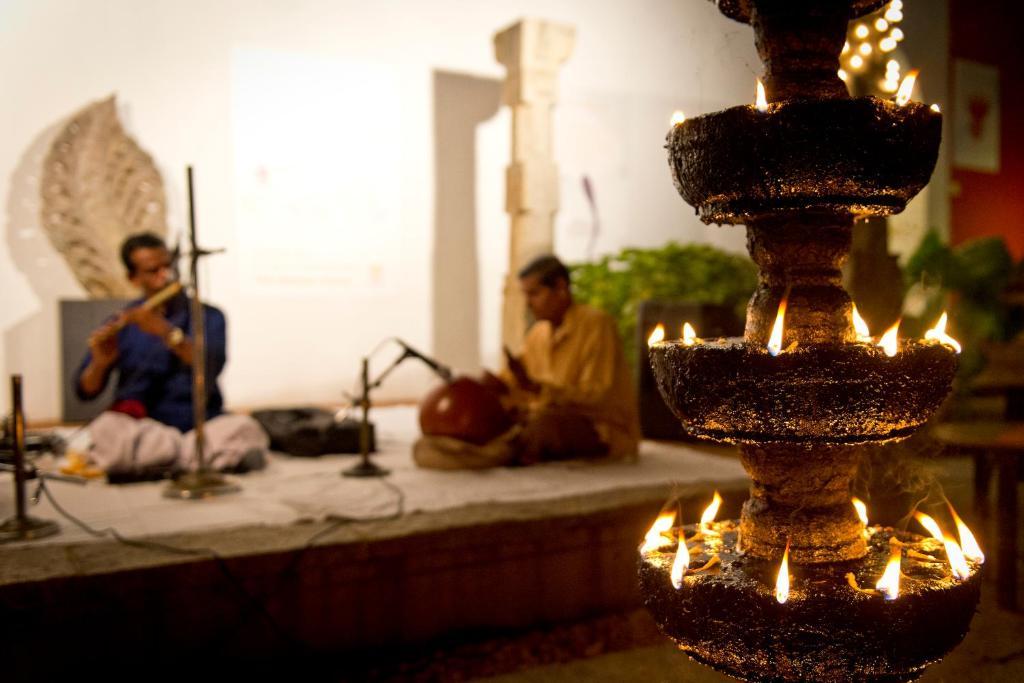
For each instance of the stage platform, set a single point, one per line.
(305, 561)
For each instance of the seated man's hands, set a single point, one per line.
(522, 377)
(148, 321)
(103, 343)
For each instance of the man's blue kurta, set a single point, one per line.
(149, 373)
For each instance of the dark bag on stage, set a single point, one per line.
(310, 432)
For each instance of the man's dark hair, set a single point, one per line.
(141, 240)
(548, 269)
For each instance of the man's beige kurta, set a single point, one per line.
(580, 365)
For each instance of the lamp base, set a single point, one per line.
(197, 485)
(26, 529)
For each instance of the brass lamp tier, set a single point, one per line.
(859, 157)
(731, 620)
(741, 10)
(827, 394)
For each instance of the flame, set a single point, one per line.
(680, 564)
(762, 100)
(889, 584)
(861, 31)
(935, 108)
(860, 327)
(906, 87)
(972, 551)
(677, 118)
(657, 335)
(956, 559)
(689, 334)
(782, 583)
(938, 333)
(881, 24)
(957, 563)
(710, 511)
(775, 341)
(930, 524)
(862, 510)
(889, 341)
(654, 538)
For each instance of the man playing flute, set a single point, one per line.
(148, 426)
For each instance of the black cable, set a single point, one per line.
(249, 601)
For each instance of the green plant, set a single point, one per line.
(969, 281)
(695, 273)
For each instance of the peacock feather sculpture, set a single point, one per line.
(98, 187)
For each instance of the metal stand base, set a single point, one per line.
(26, 529)
(365, 469)
(197, 485)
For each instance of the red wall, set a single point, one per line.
(992, 32)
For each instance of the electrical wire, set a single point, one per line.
(247, 599)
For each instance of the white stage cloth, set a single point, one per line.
(292, 490)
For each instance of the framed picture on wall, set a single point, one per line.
(975, 116)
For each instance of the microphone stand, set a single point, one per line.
(366, 468)
(22, 527)
(204, 482)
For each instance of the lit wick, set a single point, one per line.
(889, 584)
(955, 556)
(655, 538)
(709, 512)
(681, 562)
(677, 118)
(775, 341)
(657, 335)
(969, 544)
(938, 333)
(930, 524)
(906, 87)
(782, 583)
(860, 327)
(889, 341)
(761, 103)
(689, 335)
(957, 563)
(862, 514)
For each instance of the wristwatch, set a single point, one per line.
(174, 337)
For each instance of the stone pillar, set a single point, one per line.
(531, 51)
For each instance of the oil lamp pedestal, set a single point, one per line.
(729, 618)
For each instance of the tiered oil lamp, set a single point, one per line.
(802, 588)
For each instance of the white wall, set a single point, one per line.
(188, 78)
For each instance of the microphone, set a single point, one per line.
(443, 371)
